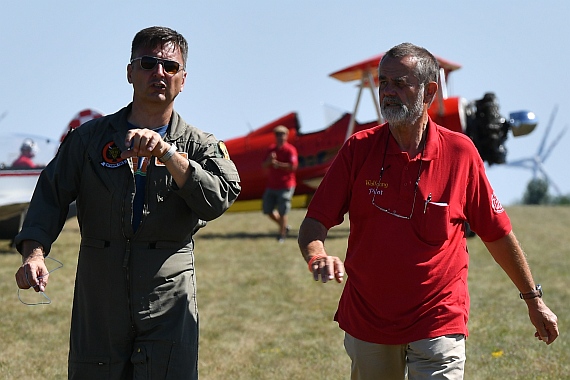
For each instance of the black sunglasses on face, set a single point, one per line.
(148, 63)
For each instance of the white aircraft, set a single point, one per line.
(20, 172)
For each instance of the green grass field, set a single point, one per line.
(263, 317)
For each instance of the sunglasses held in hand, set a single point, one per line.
(149, 63)
(30, 300)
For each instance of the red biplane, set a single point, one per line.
(480, 120)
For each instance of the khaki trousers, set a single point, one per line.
(436, 358)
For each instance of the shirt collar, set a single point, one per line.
(431, 150)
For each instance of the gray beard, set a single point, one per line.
(403, 115)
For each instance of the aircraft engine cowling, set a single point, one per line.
(487, 128)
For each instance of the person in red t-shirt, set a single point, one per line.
(281, 163)
(409, 187)
(27, 153)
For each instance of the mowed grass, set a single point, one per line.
(263, 317)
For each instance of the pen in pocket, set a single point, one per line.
(428, 200)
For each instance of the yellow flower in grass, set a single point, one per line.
(497, 353)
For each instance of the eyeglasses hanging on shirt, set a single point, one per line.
(388, 211)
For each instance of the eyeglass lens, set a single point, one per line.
(149, 63)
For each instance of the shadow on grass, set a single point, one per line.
(236, 235)
(336, 233)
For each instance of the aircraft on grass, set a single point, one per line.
(17, 183)
(479, 119)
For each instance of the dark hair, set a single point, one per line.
(159, 36)
(427, 68)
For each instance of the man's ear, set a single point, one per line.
(430, 92)
(183, 80)
(129, 73)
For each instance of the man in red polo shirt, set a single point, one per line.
(409, 186)
(281, 162)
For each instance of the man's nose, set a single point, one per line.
(159, 68)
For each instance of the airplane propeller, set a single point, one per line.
(536, 162)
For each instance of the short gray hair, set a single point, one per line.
(427, 67)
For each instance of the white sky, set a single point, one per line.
(251, 62)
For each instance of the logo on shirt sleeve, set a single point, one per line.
(222, 150)
(496, 204)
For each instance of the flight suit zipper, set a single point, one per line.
(128, 249)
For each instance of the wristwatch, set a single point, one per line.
(535, 293)
(168, 155)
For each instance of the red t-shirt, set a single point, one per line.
(279, 178)
(407, 279)
(23, 162)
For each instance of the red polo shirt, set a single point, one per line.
(407, 279)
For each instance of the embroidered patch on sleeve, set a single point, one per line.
(223, 150)
(496, 204)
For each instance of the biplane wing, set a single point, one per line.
(360, 70)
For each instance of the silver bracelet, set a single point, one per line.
(168, 155)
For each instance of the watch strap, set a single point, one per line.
(537, 293)
(168, 155)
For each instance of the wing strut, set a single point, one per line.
(442, 91)
(366, 81)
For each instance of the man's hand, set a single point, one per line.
(312, 235)
(144, 143)
(271, 160)
(543, 319)
(33, 273)
(328, 268)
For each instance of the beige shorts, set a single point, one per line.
(436, 358)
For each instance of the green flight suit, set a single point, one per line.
(134, 310)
